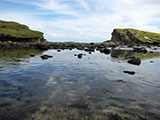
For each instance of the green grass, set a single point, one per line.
(17, 30)
(143, 36)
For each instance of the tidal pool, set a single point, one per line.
(65, 87)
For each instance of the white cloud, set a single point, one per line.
(90, 20)
(56, 6)
(84, 4)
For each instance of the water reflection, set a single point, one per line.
(18, 53)
(65, 87)
(125, 54)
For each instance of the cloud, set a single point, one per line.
(85, 20)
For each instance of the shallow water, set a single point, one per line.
(66, 87)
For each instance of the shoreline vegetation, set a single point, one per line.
(14, 35)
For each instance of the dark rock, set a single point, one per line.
(129, 72)
(32, 55)
(89, 49)
(58, 50)
(151, 61)
(42, 47)
(140, 50)
(49, 56)
(92, 43)
(120, 81)
(80, 47)
(148, 46)
(105, 51)
(80, 56)
(46, 57)
(151, 51)
(154, 48)
(135, 61)
(70, 48)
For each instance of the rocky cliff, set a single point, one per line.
(133, 36)
(15, 32)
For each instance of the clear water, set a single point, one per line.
(65, 87)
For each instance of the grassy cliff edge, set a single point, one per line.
(130, 35)
(13, 30)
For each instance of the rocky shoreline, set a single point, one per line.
(52, 45)
(16, 36)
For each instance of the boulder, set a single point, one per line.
(134, 61)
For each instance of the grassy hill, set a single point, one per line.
(142, 36)
(16, 30)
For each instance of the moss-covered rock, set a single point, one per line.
(15, 32)
(134, 36)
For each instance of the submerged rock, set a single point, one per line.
(129, 72)
(134, 61)
(80, 56)
(151, 61)
(90, 52)
(120, 81)
(46, 56)
(58, 50)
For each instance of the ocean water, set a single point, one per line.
(65, 87)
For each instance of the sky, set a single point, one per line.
(82, 20)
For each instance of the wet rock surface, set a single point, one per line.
(134, 61)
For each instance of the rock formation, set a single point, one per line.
(134, 37)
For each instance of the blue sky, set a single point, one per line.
(82, 20)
